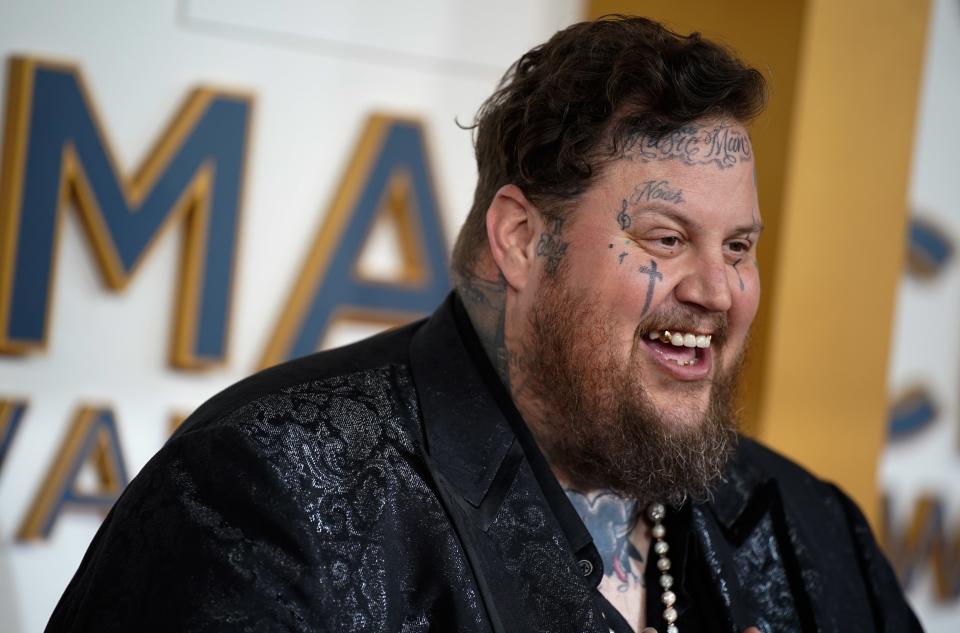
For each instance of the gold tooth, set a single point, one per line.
(665, 337)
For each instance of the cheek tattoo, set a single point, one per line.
(654, 276)
(623, 218)
(742, 287)
(552, 246)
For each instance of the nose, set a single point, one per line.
(706, 284)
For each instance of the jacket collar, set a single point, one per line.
(466, 434)
(485, 479)
(739, 490)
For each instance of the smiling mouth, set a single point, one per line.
(682, 348)
(682, 355)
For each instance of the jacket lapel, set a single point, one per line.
(525, 572)
(752, 553)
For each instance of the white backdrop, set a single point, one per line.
(925, 349)
(316, 69)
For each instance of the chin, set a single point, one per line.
(682, 408)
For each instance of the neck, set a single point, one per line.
(622, 539)
(484, 297)
(611, 520)
(483, 292)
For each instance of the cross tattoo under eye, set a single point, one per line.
(655, 276)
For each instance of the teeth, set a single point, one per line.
(687, 363)
(680, 339)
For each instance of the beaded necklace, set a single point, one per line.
(656, 512)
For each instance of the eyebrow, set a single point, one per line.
(756, 227)
(661, 208)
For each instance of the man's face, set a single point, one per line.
(664, 242)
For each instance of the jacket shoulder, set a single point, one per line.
(288, 500)
(386, 349)
(826, 531)
(754, 455)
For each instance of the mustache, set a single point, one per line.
(685, 319)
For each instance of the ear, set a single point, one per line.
(513, 223)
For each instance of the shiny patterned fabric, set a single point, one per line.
(535, 554)
(379, 487)
(304, 510)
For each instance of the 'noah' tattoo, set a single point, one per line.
(723, 145)
(647, 191)
(651, 190)
(551, 246)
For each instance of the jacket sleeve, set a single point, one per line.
(890, 608)
(205, 538)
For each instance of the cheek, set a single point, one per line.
(631, 281)
(744, 307)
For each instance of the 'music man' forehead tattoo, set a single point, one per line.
(722, 144)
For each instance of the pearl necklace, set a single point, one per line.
(656, 512)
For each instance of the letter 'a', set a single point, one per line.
(388, 174)
(92, 439)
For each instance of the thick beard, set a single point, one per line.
(600, 429)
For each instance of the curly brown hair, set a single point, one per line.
(568, 106)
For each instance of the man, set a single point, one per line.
(554, 449)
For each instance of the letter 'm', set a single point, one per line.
(55, 151)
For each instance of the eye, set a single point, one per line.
(664, 242)
(739, 247)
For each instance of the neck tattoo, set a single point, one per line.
(611, 519)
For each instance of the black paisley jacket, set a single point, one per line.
(378, 487)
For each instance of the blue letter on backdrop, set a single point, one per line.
(92, 439)
(54, 149)
(388, 174)
(11, 413)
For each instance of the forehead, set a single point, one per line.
(703, 170)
